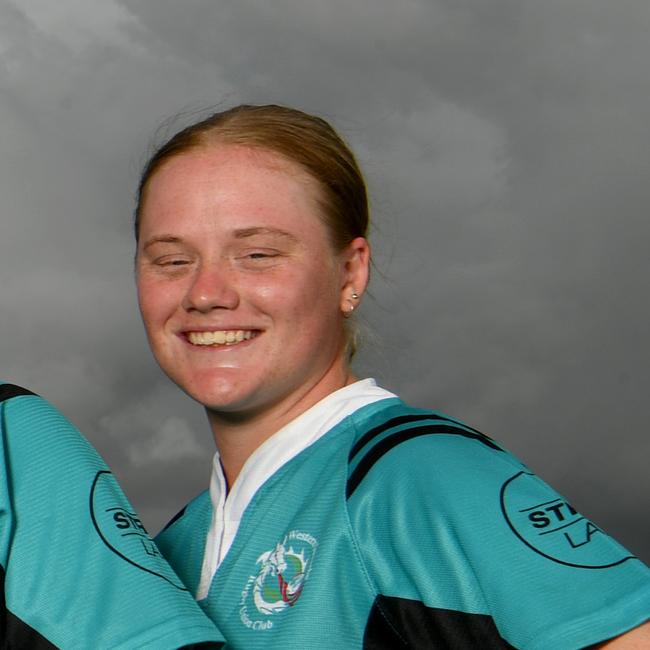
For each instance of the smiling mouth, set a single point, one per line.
(221, 337)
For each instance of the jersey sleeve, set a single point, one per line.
(78, 567)
(466, 547)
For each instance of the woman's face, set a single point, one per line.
(240, 290)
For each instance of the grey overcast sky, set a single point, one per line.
(507, 149)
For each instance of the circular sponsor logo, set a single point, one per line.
(279, 581)
(550, 526)
(122, 531)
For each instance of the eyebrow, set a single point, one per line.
(241, 233)
(161, 239)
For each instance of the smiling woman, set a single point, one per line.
(235, 288)
(337, 516)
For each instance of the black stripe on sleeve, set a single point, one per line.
(406, 419)
(384, 426)
(402, 623)
(385, 445)
(7, 391)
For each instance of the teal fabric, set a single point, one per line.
(440, 516)
(79, 567)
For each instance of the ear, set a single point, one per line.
(355, 273)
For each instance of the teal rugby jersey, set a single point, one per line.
(78, 569)
(404, 528)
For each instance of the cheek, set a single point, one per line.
(155, 302)
(267, 292)
(278, 296)
(144, 298)
(315, 304)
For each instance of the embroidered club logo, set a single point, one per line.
(279, 582)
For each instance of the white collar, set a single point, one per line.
(272, 454)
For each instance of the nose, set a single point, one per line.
(210, 289)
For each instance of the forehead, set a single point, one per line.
(230, 186)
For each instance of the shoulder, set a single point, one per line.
(420, 481)
(20, 407)
(27, 418)
(441, 514)
(440, 477)
(37, 437)
(411, 445)
(424, 485)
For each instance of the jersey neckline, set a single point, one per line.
(273, 453)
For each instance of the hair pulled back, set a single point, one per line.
(301, 138)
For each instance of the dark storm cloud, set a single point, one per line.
(507, 151)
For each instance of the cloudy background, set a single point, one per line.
(507, 149)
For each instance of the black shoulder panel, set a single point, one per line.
(402, 623)
(14, 633)
(7, 391)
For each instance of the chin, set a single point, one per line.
(215, 393)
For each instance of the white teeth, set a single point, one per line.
(220, 337)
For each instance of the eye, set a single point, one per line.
(254, 258)
(259, 260)
(171, 261)
(259, 254)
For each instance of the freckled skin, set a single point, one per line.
(231, 238)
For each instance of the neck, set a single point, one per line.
(238, 435)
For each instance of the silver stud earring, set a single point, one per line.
(353, 296)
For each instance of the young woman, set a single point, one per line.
(338, 516)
